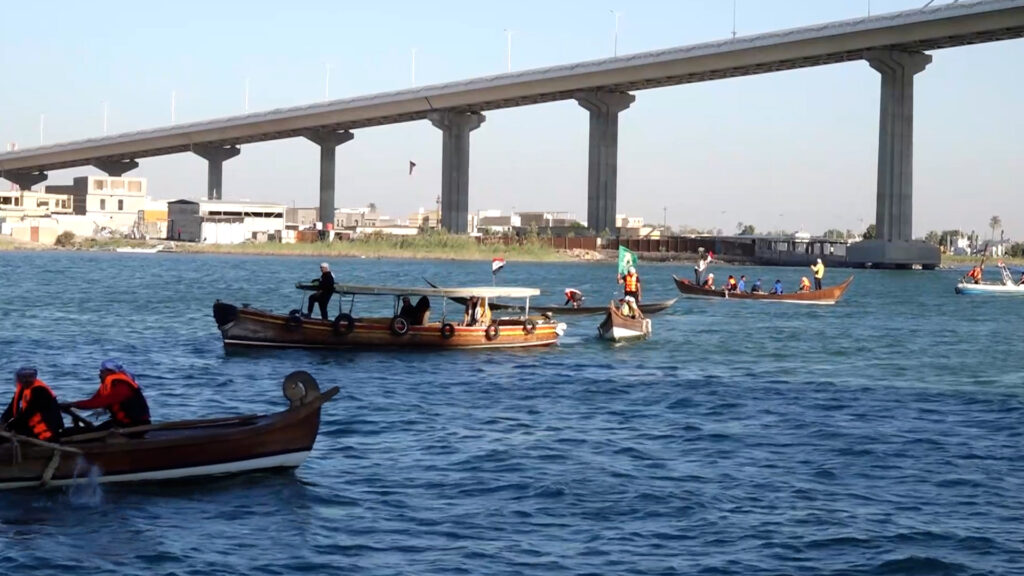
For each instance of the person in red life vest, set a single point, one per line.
(33, 410)
(730, 283)
(574, 297)
(805, 284)
(119, 394)
(974, 275)
(631, 283)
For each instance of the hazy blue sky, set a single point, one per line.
(792, 150)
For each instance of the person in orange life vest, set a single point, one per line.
(974, 275)
(631, 283)
(33, 410)
(574, 297)
(805, 284)
(121, 395)
(730, 283)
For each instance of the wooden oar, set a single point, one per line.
(38, 442)
(76, 417)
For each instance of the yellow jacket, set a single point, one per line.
(819, 270)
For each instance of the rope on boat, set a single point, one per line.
(50, 469)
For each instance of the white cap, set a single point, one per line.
(632, 270)
(325, 265)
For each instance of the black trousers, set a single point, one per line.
(817, 283)
(320, 298)
(634, 293)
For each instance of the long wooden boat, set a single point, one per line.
(172, 449)
(618, 327)
(647, 307)
(827, 295)
(247, 326)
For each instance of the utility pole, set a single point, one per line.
(508, 50)
(412, 70)
(42, 122)
(327, 82)
(615, 35)
(172, 106)
(105, 109)
(733, 18)
(245, 102)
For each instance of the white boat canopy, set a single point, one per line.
(478, 291)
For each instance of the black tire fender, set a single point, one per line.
(529, 326)
(344, 324)
(399, 326)
(447, 330)
(493, 331)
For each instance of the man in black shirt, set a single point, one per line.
(324, 292)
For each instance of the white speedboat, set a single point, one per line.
(136, 250)
(1007, 287)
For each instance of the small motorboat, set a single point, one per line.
(138, 250)
(827, 295)
(247, 326)
(619, 327)
(1005, 288)
(170, 450)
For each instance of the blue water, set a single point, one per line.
(879, 436)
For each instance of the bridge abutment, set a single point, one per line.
(328, 141)
(115, 168)
(894, 245)
(25, 180)
(455, 128)
(604, 108)
(215, 157)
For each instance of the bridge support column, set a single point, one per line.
(455, 128)
(24, 180)
(604, 108)
(115, 168)
(215, 157)
(894, 245)
(328, 141)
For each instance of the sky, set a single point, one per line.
(793, 150)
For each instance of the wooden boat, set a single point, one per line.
(619, 327)
(172, 449)
(827, 295)
(647, 308)
(247, 326)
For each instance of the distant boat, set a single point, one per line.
(135, 250)
(646, 308)
(1005, 288)
(827, 295)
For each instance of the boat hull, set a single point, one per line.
(989, 289)
(164, 452)
(827, 295)
(251, 327)
(618, 328)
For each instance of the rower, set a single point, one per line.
(33, 410)
(574, 297)
(120, 395)
(730, 284)
(777, 288)
(805, 284)
(709, 282)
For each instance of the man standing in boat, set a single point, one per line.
(631, 284)
(33, 410)
(120, 395)
(819, 273)
(325, 289)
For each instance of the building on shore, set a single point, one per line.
(225, 222)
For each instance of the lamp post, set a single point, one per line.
(412, 69)
(105, 110)
(615, 36)
(508, 50)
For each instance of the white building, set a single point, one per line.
(112, 203)
(223, 222)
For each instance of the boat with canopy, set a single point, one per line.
(470, 326)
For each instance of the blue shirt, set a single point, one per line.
(742, 286)
(778, 288)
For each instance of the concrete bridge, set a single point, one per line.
(893, 44)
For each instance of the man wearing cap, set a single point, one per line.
(33, 410)
(120, 395)
(631, 282)
(325, 289)
(819, 273)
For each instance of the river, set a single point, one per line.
(878, 436)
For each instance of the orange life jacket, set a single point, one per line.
(631, 282)
(805, 284)
(134, 410)
(36, 423)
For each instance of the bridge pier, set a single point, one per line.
(604, 108)
(328, 141)
(215, 157)
(455, 128)
(115, 168)
(24, 180)
(894, 245)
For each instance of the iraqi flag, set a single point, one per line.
(496, 265)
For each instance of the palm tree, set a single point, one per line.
(993, 223)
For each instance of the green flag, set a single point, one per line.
(626, 259)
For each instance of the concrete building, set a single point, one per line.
(221, 222)
(113, 203)
(33, 203)
(355, 217)
(301, 218)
